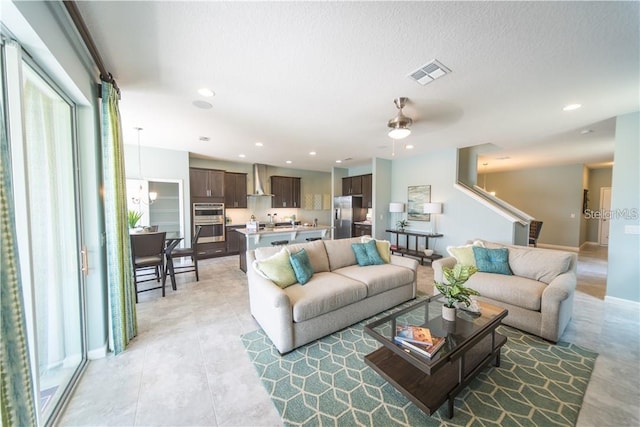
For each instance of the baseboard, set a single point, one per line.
(98, 353)
(558, 247)
(627, 303)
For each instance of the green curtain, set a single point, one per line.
(122, 297)
(16, 393)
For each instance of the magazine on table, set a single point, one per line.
(414, 334)
(422, 349)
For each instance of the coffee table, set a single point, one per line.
(471, 343)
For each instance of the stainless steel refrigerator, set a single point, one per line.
(347, 209)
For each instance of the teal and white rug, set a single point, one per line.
(327, 383)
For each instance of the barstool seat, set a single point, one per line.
(313, 239)
(279, 242)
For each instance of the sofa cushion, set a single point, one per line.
(515, 290)
(378, 278)
(277, 268)
(325, 292)
(492, 260)
(464, 254)
(539, 264)
(384, 248)
(340, 253)
(301, 266)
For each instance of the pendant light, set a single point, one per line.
(146, 198)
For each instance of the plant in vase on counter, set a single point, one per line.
(133, 217)
(454, 289)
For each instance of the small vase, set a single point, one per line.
(449, 313)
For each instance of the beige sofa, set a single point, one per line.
(340, 292)
(539, 294)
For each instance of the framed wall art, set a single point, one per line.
(418, 195)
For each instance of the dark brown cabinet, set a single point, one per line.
(359, 185)
(235, 190)
(361, 230)
(367, 191)
(212, 249)
(206, 183)
(352, 186)
(286, 192)
(233, 239)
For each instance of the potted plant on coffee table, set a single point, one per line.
(454, 290)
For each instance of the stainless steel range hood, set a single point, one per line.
(259, 179)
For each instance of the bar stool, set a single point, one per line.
(279, 242)
(313, 239)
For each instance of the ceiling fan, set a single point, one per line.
(400, 125)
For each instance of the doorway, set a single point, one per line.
(44, 164)
(604, 221)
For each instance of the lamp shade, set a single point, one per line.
(396, 207)
(432, 208)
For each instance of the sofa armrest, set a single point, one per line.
(439, 264)
(270, 306)
(404, 262)
(557, 305)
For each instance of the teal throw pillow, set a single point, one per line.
(361, 254)
(492, 260)
(367, 253)
(301, 266)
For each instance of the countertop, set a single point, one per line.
(283, 230)
(362, 222)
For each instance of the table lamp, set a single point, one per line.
(396, 207)
(432, 208)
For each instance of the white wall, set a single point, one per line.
(623, 275)
(161, 164)
(463, 218)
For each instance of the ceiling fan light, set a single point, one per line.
(399, 132)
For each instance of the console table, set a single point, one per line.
(413, 250)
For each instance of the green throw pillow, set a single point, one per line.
(277, 268)
(464, 254)
(492, 260)
(301, 266)
(367, 253)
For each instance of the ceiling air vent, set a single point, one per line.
(429, 72)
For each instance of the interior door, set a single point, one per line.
(44, 167)
(605, 209)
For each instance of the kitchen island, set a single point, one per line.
(265, 236)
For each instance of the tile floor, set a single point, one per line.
(188, 367)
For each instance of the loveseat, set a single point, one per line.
(338, 294)
(537, 286)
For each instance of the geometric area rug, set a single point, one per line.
(327, 383)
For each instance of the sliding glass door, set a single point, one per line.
(44, 170)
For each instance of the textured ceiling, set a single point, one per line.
(322, 76)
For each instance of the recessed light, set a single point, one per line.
(204, 138)
(242, 156)
(259, 144)
(408, 147)
(288, 162)
(338, 161)
(571, 107)
(586, 131)
(312, 153)
(206, 92)
(202, 104)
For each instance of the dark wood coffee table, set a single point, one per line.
(471, 344)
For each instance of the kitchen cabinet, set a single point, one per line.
(367, 191)
(211, 249)
(286, 192)
(352, 186)
(206, 183)
(233, 239)
(235, 190)
(361, 230)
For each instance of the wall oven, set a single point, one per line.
(209, 216)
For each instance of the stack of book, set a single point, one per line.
(418, 339)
